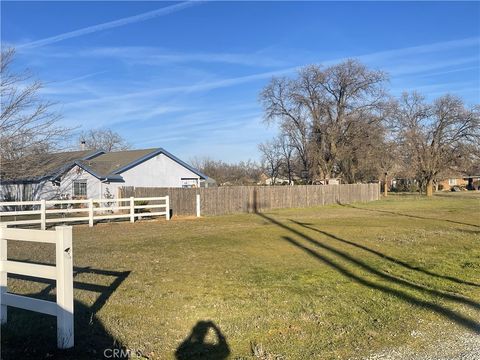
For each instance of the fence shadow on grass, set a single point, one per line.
(384, 256)
(458, 318)
(196, 347)
(29, 335)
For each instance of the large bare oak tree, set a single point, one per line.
(333, 116)
(437, 137)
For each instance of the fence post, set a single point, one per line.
(167, 207)
(3, 276)
(132, 209)
(198, 205)
(90, 212)
(43, 214)
(64, 269)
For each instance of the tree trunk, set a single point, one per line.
(289, 172)
(385, 188)
(429, 188)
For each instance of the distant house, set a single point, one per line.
(266, 180)
(276, 181)
(470, 182)
(330, 181)
(96, 173)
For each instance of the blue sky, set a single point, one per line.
(187, 76)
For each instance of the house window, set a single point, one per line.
(80, 188)
(189, 182)
(452, 182)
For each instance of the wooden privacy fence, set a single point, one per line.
(62, 273)
(90, 210)
(237, 199)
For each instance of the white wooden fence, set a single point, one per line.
(62, 272)
(92, 209)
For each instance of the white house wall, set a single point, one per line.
(159, 171)
(47, 190)
(11, 192)
(32, 191)
(77, 173)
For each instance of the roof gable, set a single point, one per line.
(102, 165)
(110, 166)
(156, 152)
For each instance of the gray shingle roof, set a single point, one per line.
(99, 163)
(36, 167)
(108, 163)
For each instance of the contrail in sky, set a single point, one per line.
(111, 24)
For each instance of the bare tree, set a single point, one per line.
(435, 137)
(242, 173)
(280, 106)
(389, 162)
(361, 155)
(287, 152)
(272, 158)
(105, 139)
(29, 126)
(323, 109)
(344, 100)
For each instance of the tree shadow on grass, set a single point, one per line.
(464, 321)
(195, 346)
(394, 280)
(457, 196)
(29, 335)
(407, 215)
(384, 256)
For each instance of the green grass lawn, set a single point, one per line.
(330, 282)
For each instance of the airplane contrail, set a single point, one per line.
(111, 24)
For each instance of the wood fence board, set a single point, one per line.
(237, 199)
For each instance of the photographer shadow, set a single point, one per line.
(195, 346)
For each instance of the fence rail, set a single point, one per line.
(93, 209)
(61, 272)
(237, 199)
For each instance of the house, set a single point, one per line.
(330, 181)
(97, 174)
(470, 182)
(276, 181)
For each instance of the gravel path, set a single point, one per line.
(464, 346)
